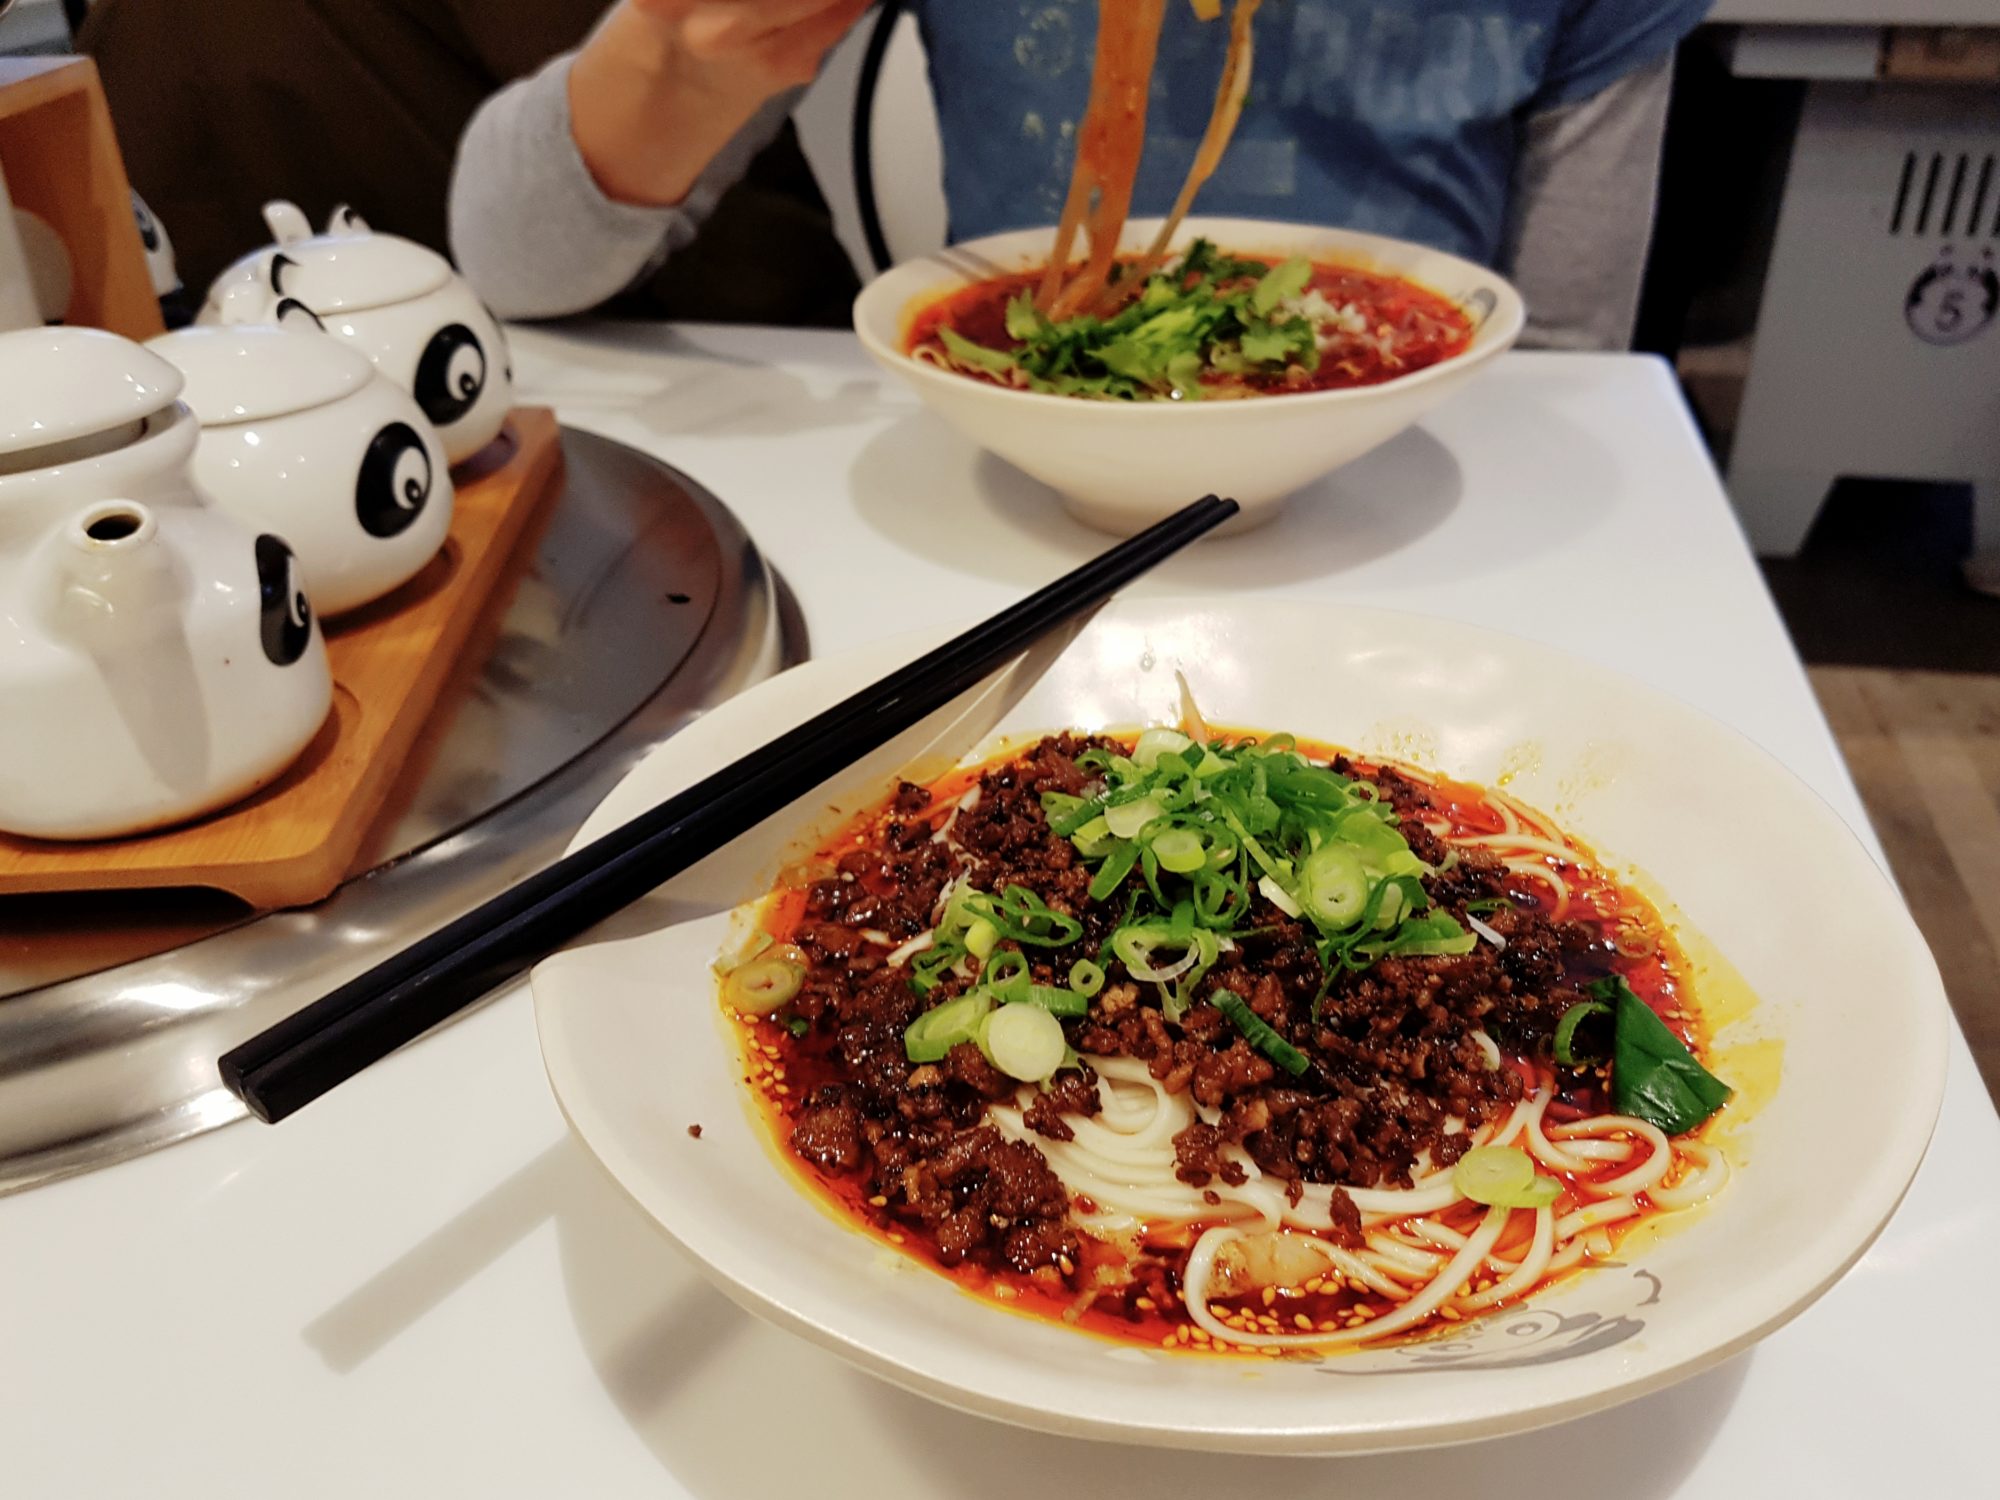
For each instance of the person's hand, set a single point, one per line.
(751, 49)
(662, 85)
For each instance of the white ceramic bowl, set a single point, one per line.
(1120, 466)
(1839, 1066)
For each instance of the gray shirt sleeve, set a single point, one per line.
(530, 228)
(1582, 212)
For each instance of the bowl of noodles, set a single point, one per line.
(1164, 1045)
(1241, 357)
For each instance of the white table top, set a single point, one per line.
(421, 1286)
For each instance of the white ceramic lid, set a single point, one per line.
(61, 384)
(333, 273)
(251, 374)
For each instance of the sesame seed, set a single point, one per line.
(1270, 1295)
(879, 1201)
(1147, 1304)
(1303, 1321)
(895, 1239)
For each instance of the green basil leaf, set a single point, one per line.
(1653, 1075)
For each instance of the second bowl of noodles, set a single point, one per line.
(1301, 349)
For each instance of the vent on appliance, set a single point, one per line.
(1945, 194)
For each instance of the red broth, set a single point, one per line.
(1411, 328)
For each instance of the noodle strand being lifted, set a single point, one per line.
(1198, 324)
(1111, 141)
(1226, 1043)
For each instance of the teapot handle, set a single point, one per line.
(287, 222)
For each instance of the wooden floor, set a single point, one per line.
(1924, 747)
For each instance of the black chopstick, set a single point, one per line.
(290, 1064)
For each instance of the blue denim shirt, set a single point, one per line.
(1398, 117)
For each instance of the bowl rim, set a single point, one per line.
(1507, 320)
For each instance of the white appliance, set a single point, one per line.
(1878, 342)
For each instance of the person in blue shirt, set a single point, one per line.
(1524, 134)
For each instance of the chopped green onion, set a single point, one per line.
(1156, 742)
(1279, 897)
(930, 966)
(1259, 1032)
(1006, 976)
(1136, 945)
(1056, 805)
(1024, 1042)
(1503, 1177)
(934, 1033)
(1017, 913)
(1111, 874)
(1086, 978)
(1128, 818)
(981, 937)
(1057, 1002)
(1575, 1016)
(1180, 850)
(1093, 839)
(798, 1025)
(1333, 886)
(763, 985)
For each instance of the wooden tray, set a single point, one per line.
(295, 841)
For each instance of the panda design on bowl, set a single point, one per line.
(399, 303)
(303, 437)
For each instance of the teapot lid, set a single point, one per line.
(58, 385)
(249, 374)
(349, 268)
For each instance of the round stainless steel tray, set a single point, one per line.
(643, 604)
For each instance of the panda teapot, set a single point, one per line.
(162, 660)
(302, 436)
(399, 303)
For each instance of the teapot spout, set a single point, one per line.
(115, 583)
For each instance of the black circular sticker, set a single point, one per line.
(395, 481)
(1952, 300)
(284, 616)
(451, 374)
